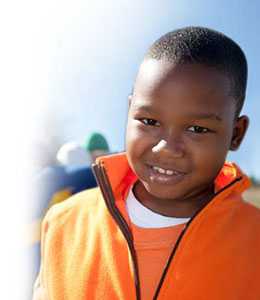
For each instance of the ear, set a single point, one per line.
(130, 97)
(239, 131)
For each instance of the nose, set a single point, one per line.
(170, 147)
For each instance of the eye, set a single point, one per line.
(198, 129)
(150, 122)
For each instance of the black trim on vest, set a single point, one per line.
(181, 236)
(103, 181)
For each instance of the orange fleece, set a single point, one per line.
(87, 248)
(153, 247)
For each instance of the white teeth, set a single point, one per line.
(163, 171)
(169, 172)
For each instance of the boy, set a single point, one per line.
(168, 220)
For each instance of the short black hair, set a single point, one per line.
(208, 47)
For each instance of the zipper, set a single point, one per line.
(170, 259)
(102, 179)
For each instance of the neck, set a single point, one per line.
(185, 207)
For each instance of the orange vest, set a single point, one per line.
(88, 252)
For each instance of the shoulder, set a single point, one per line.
(247, 217)
(249, 209)
(79, 206)
(244, 231)
(239, 217)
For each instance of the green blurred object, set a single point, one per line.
(96, 141)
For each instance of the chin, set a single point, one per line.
(162, 192)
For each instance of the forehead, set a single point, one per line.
(193, 85)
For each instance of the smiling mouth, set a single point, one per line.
(166, 171)
(164, 176)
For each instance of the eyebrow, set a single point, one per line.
(198, 116)
(146, 108)
(211, 116)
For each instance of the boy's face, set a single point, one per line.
(181, 125)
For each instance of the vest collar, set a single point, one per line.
(121, 176)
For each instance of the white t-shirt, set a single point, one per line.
(144, 217)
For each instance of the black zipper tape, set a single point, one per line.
(180, 238)
(102, 179)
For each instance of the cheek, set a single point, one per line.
(137, 140)
(131, 135)
(210, 157)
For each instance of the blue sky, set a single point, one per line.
(87, 55)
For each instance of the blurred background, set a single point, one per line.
(69, 67)
(86, 56)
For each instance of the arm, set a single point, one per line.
(39, 292)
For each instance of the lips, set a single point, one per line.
(165, 175)
(164, 167)
(168, 172)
